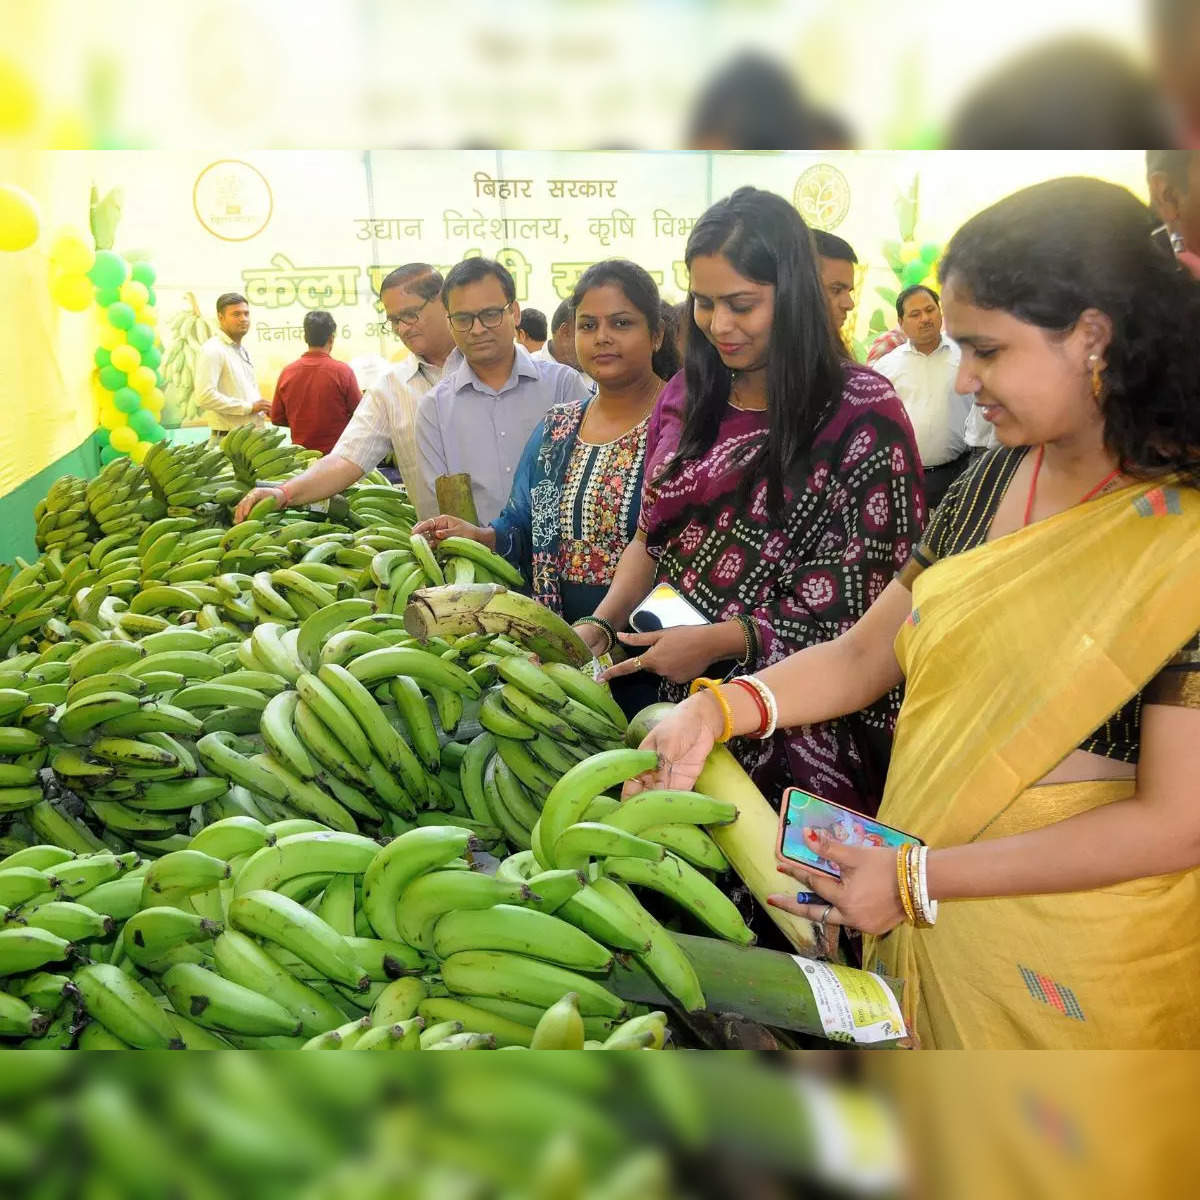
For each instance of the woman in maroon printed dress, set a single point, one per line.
(783, 492)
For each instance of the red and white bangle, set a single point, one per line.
(767, 708)
(285, 498)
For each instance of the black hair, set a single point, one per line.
(1174, 164)
(562, 314)
(416, 277)
(1073, 91)
(829, 245)
(228, 300)
(753, 103)
(533, 324)
(765, 239)
(909, 292)
(319, 328)
(1047, 253)
(642, 292)
(472, 270)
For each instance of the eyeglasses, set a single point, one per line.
(410, 316)
(489, 318)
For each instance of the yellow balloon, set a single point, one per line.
(18, 98)
(126, 358)
(112, 418)
(139, 451)
(72, 292)
(909, 252)
(123, 438)
(142, 380)
(19, 221)
(134, 293)
(154, 401)
(110, 337)
(71, 254)
(146, 315)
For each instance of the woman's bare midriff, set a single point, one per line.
(1081, 766)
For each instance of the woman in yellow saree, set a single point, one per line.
(1048, 747)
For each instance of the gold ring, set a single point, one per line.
(637, 662)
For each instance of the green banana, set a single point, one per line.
(578, 844)
(123, 1007)
(29, 948)
(527, 980)
(422, 666)
(336, 716)
(305, 853)
(560, 1027)
(580, 686)
(233, 837)
(414, 712)
(691, 843)
(68, 919)
(217, 1003)
(217, 753)
(497, 718)
(432, 895)
(522, 931)
(278, 732)
(154, 932)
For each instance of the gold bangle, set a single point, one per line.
(714, 687)
(902, 883)
(914, 889)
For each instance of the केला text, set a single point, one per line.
(687, 887)
(403, 860)
(219, 1004)
(328, 852)
(218, 753)
(28, 948)
(275, 918)
(241, 960)
(153, 716)
(432, 895)
(414, 713)
(233, 837)
(123, 1006)
(581, 687)
(570, 796)
(509, 976)
(278, 730)
(521, 930)
(336, 716)
(269, 653)
(152, 933)
(420, 665)
(585, 841)
(68, 919)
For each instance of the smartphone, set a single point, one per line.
(664, 608)
(802, 810)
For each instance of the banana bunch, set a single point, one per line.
(189, 331)
(186, 477)
(119, 500)
(376, 502)
(62, 518)
(258, 455)
(493, 608)
(34, 595)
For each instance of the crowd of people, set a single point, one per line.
(966, 577)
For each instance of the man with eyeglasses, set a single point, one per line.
(386, 418)
(478, 419)
(226, 388)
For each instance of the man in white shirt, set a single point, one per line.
(478, 419)
(923, 371)
(386, 417)
(226, 388)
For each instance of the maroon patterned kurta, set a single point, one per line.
(805, 579)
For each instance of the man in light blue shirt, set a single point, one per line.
(479, 417)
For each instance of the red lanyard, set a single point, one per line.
(1037, 470)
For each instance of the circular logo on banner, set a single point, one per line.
(822, 196)
(232, 200)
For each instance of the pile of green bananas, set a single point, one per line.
(63, 518)
(189, 331)
(258, 454)
(119, 500)
(186, 477)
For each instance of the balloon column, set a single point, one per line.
(126, 379)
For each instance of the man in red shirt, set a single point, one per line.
(316, 395)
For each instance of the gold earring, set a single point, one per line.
(1097, 382)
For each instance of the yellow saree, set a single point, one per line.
(1014, 653)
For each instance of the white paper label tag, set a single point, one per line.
(854, 1005)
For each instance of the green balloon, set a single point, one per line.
(111, 378)
(109, 270)
(152, 357)
(914, 272)
(152, 297)
(107, 296)
(141, 338)
(120, 315)
(143, 272)
(929, 252)
(142, 423)
(102, 357)
(127, 400)
(157, 434)
(107, 454)
(102, 437)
